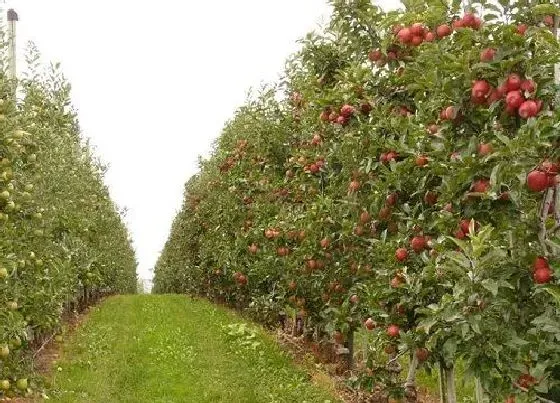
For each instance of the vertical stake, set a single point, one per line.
(12, 20)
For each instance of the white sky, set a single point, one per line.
(154, 82)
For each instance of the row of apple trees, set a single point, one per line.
(62, 239)
(406, 182)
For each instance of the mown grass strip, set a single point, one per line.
(170, 348)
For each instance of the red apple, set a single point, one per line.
(542, 276)
(459, 234)
(370, 324)
(395, 282)
(375, 55)
(526, 381)
(485, 149)
(418, 244)
(365, 108)
(347, 110)
(537, 181)
(342, 120)
(311, 264)
(450, 113)
(354, 186)
(430, 37)
(480, 89)
(514, 99)
(481, 186)
(417, 29)
(528, 85)
(393, 331)
(392, 199)
(417, 40)
(433, 129)
(401, 254)
(430, 198)
(456, 24)
(513, 82)
(528, 109)
(384, 213)
(469, 20)
(365, 217)
(421, 160)
(487, 55)
(521, 29)
(405, 35)
(338, 337)
(242, 279)
(540, 262)
(422, 354)
(443, 30)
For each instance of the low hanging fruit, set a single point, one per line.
(401, 254)
(537, 181)
(528, 109)
(487, 55)
(443, 30)
(542, 276)
(422, 354)
(393, 331)
(542, 273)
(418, 244)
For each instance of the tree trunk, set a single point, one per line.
(451, 394)
(349, 344)
(410, 384)
(479, 391)
(441, 382)
(282, 320)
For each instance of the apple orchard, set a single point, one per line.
(406, 183)
(63, 243)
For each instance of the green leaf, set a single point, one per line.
(491, 286)
(553, 290)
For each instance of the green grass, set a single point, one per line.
(169, 348)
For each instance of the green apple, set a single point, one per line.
(21, 384)
(4, 351)
(18, 134)
(4, 384)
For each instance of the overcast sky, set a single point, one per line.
(154, 82)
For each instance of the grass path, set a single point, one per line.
(169, 348)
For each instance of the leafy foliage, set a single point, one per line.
(381, 144)
(61, 235)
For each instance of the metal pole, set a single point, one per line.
(12, 20)
(556, 33)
